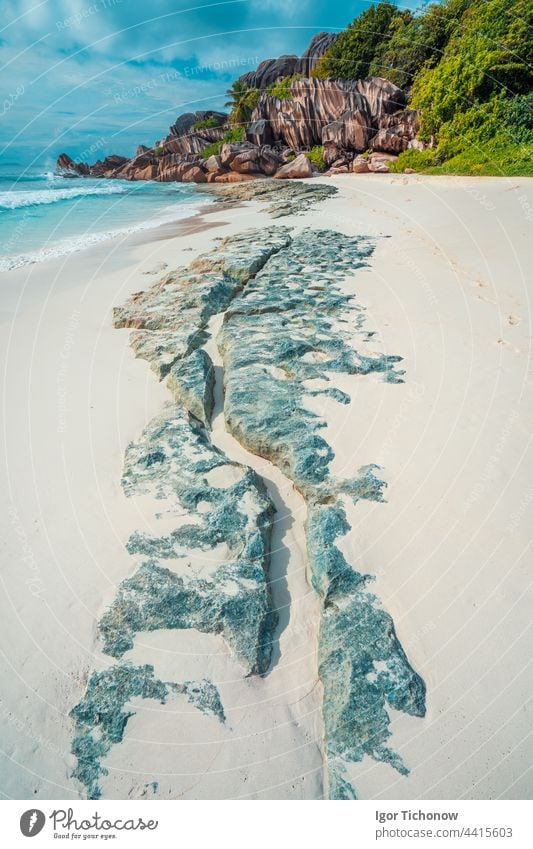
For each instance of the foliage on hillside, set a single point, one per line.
(353, 52)
(469, 66)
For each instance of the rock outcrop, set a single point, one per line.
(272, 70)
(101, 717)
(183, 124)
(343, 115)
(209, 568)
(347, 117)
(66, 167)
(172, 462)
(297, 303)
(283, 198)
(298, 168)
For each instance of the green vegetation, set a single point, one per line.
(316, 157)
(469, 66)
(491, 160)
(242, 102)
(282, 89)
(159, 151)
(207, 124)
(352, 54)
(234, 135)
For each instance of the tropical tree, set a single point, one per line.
(242, 102)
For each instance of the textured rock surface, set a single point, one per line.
(346, 113)
(192, 382)
(101, 717)
(171, 317)
(283, 334)
(283, 198)
(298, 312)
(361, 663)
(346, 116)
(289, 327)
(183, 124)
(272, 70)
(67, 167)
(299, 168)
(171, 462)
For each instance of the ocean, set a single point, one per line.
(43, 215)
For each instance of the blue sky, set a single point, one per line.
(93, 77)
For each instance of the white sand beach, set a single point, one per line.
(448, 289)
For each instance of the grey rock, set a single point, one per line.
(192, 381)
(101, 717)
(171, 462)
(213, 163)
(272, 70)
(299, 168)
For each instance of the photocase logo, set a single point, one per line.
(32, 822)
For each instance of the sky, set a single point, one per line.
(95, 77)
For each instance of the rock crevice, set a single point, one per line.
(289, 327)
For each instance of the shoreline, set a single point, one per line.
(444, 305)
(193, 223)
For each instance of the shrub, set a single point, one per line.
(489, 54)
(207, 124)
(282, 89)
(316, 157)
(419, 160)
(236, 134)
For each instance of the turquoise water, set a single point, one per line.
(44, 216)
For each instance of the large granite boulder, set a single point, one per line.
(174, 169)
(213, 163)
(195, 174)
(299, 168)
(230, 177)
(247, 161)
(351, 131)
(272, 70)
(317, 47)
(354, 107)
(383, 97)
(259, 132)
(396, 131)
(269, 160)
(379, 163)
(360, 165)
(184, 122)
(230, 150)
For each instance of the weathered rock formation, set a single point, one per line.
(346, 116)
(66, 167)
(282, 340)
(283, 198)
(298, 168)
(289, 328)
(183, 124)
(101, 717)
(230, 518)
(272, 70)
(108, 167)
